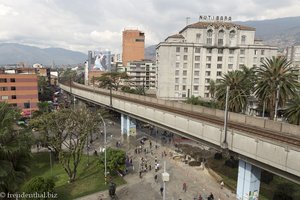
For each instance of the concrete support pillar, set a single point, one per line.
(128, 125)
(248, 183)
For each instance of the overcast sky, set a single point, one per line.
(81, 25)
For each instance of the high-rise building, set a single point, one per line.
(133, 46)
(19, 89)
(204, 51)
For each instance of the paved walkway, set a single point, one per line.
(198, 181)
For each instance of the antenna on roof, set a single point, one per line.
(187, 20)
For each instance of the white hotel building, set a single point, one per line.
(186, 62)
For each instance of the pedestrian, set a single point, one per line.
(211, 197)
(222, 184)
(140, 173)
(200, 197)
(155, 159)
(150, 144)
(155, 178)
(184, 187)
(161, 190)
(150, 167)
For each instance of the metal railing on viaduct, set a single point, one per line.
(274, 146)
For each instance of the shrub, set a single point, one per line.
(39, 185)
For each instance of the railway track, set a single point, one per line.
(255, 131)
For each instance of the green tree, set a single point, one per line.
(40, 185)
(66, 131)
(115, 160)
(111, 80)
(45, 89)
(238, 91)
(275, 73)
(292, 112)
(15, 152)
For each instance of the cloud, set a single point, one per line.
(98, 24)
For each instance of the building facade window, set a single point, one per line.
(183, 87)
(196, 87)
(243, 39)
(184, 81)
(220, 58)
(219, 66)
(185, 57)
(219, 73)
(197, 58)
(196, 73)
(231, 51)
(262, 52)
(4, 97)
(177, 73)
(220, 51)
(209, 37)
(208, 58)
(178, 58)
(177, 49)
(207, 73)
(207, 80)
(177, 80)
(242, 59)
(184, 72)
(198, 37)
(207, 87)
(3, 89)
(230, 66)
(14, 97)
(208, 51)
(184, 65)
(208, 66)
(12, 80)
(197, 65)
(196, 80)
(197, 50)
(176, 87)
(3, 80)
(242, 51)
(221, 38)
(185, 49)
(177, 65)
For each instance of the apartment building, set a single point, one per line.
(187, 61)
(19, 90)
(142, 74)
(133, 46)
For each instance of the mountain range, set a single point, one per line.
(12, 53)
(281, 32)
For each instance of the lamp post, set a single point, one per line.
(276, 102)
(50, 151)
(105, 167)
(225, 144)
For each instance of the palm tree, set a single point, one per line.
(275, 74)
(14, 150)
(238, 92)
(292, 112)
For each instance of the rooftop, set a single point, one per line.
(217, 24)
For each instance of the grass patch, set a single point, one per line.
(90, 179)
(267, 191)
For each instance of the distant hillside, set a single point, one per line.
(12, 53)
(150, 52)
(281, 32)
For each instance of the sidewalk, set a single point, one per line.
(145, 188)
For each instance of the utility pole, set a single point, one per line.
(105, 167)
(276, 103)
(225, 144)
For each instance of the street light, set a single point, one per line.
(225, 144)
(104, 127)
(50, 150)
(277, 101)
